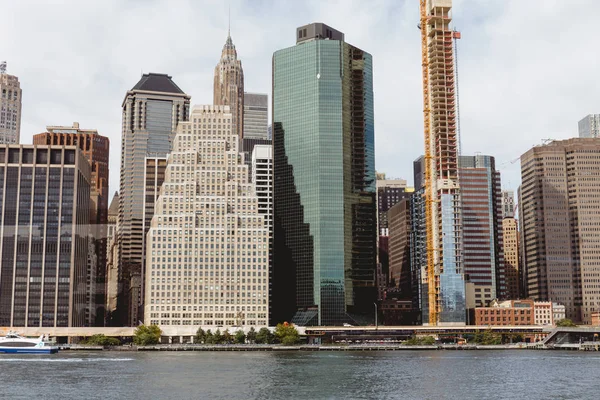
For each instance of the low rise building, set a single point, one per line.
(558, 312)
(506, 313)
(543, 313)
(398, 311)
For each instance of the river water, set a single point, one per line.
(500, 374)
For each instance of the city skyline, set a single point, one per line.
(489, 33)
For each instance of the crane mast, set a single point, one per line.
(429, 201)
(443, 219)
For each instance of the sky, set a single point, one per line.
(527, 69)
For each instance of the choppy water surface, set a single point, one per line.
(336, 375)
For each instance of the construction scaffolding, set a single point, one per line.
(442, 194)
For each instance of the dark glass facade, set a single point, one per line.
(96, 149)
(324, 184)
(44, 204)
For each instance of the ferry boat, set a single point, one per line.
(14, 343)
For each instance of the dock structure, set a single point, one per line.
(313, 335)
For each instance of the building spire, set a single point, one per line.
(229, 43)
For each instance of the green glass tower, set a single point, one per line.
(324, 181)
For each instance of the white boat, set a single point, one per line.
(14, 343)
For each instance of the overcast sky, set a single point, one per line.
(528, 70)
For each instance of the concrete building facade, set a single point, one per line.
(508, 204)
(256, 115)
(262, 179)
(399, 248)
(10, 107)
(325, 233)
(44, 211)
(589, 127)
(152, 110)
(112, 260)
(543, 314)
(207, 247)
(96, 149)
(560, 224)
(558, 311)
(389, 193)
(510, 233)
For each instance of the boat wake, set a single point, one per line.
(65, 360)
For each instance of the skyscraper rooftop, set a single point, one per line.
(154, 82)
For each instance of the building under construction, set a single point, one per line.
(445, 287)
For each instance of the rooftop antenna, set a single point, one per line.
(3, 67)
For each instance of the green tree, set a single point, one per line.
(227, 338)
(209, 338)
(218, 337)
(565, 323)
(146, 335)
(251, 336)
(287, 334)
(102, 340)
(488, 337)
(264, 336)
(421, 341)
(240, 337)
(200, 336)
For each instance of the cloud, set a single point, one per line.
(527, 68)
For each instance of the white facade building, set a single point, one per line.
(558, 311)
(207, 247)
(589, 127)
(10, 107)
(262, 179)
(543, 313)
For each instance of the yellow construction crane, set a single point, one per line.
(429, 196)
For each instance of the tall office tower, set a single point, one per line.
(262, 179)
(152, 110)
(10, 107)
(510, 237)
(256, 109)
(324, 189)
(96, 149)
(418, 254)
(399, 247)
(389, 193)
(418, 242)
(44, 204)
(446, 285)
(508, 204)
(589, 127)
(256, 115)
(229, 85)
(523, 288)
(207, 245)
(561, 224)
(483, 257)
(112, 260)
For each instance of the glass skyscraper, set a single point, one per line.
(324, 181)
